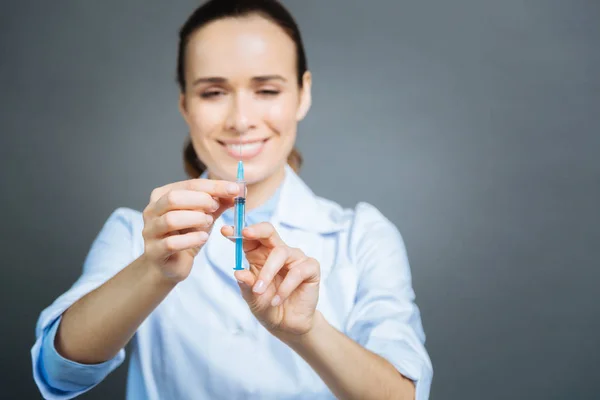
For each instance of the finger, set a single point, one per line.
(307, 271)
(184, 200)
(265, 233)
(279, 257)
(178, 220)
(245, 276)
(245, 281)
(248, 245)
(225, 204)
(216, 188)
(175, 243)
(228, 231)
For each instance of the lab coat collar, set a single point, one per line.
(300, 208)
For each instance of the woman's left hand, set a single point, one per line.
(282, 285)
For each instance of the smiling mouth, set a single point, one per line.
(244, 150)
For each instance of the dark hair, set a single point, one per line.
(219, 9)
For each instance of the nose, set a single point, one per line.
(241, 115)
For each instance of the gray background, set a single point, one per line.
(472, 124)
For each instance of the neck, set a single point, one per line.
(260, 192)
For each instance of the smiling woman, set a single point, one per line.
(242, 80)
(325, 305)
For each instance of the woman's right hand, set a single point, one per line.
(178, 221)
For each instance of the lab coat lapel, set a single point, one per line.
(304, 223)
(314, 226)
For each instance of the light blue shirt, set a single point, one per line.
(202, 342)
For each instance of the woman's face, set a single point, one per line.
(242, 87)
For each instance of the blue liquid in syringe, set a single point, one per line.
(240, 204)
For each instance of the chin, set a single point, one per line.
(257, 173)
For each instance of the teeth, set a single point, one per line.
(244, 147)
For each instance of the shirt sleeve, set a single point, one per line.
(56, 376)
(385, 318)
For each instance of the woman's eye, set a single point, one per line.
(214, 93)
(269, 92)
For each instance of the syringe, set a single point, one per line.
(239, 214)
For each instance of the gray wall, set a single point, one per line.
(473, 125)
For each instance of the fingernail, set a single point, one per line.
(232, 188)
(241, 283)
(209, 219)
(259, 287)
(276, 300)
(215, 206)
(203, 235)
(249, 231)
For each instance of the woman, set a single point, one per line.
(325, 309)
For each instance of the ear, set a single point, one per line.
(183, 107)
(305, 96)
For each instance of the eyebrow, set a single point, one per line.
(218, 79)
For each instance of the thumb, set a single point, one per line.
(246, 281)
